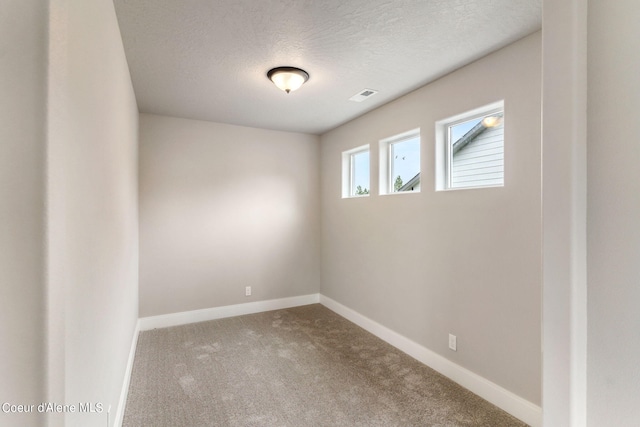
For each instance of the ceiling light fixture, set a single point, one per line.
(288, 78)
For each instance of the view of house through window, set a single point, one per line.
(472, 149)
(476, 150)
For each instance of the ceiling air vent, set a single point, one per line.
(362, 95)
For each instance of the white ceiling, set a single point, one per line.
(208, 59)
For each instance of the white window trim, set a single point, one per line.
(386, 159)
(443, 155)
(348, 177)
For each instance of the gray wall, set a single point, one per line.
(223, 207)
(92, 209)
(466, 262)
(564, 201)
(613, 233)
(23, 44)
(68, 218)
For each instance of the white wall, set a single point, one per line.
(68, 218)
(564, 200)
(223, 207)
(466, 262)
(613, 234)
(23, 44)
(92, 209)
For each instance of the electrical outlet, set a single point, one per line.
(247, 291)
(452, 342)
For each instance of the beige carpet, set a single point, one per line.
(304, 366)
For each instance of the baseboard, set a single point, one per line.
(119, 417)
(185, 317)
(501, 397)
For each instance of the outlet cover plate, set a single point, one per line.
(452, 342)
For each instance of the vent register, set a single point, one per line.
(362, 95)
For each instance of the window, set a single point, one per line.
(470, 149)
(355, 172)
(400, 163)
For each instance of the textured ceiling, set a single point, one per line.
(208, 59)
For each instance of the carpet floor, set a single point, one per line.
(304, 366)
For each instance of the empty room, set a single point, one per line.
(298, 213)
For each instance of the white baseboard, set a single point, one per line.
(119, 417)
(185, 317)
(502, 398)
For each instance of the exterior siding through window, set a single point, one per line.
(481, 162)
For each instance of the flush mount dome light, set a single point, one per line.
(288, 78)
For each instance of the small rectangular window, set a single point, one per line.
(400, 156)
(356, 172)
(470, 149)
